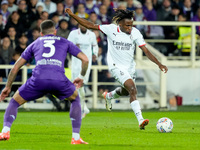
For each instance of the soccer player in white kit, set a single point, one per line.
(86, 41)
(122, 38)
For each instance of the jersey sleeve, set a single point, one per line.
(95, 47)
(28, 52)
(105, 29)
(73, 49)
(140, 40)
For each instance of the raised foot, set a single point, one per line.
(108, 102)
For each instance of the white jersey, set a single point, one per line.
(121, 46)
(88, 44)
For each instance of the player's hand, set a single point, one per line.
(68, 10)
(5, 92)
(163, 68)
(78, 82)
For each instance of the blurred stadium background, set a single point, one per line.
(171, 29)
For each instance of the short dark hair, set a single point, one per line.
(123, 14)
(175, 6)
(16, 53)
(63, 20)
(183, 15)
(36, 29)
(93, 13)
(15, 12)
(22, 35)
(47, 26)
(11, 27)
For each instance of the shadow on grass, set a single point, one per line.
(40, 133)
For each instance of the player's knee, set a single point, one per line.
(133, 91)
(18, 98)
(122, 91)
(73, 97)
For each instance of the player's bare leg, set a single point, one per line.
(108, 96)
(130, 89)
(75, 116)
(10, 115)
(135, 105)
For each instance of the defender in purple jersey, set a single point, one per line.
(48, 76)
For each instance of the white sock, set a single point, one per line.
(76, 136)
(112, 95)
(5, 129)
(135, 105)
(85, 107)
(81, 92)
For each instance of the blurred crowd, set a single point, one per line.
(20, 21)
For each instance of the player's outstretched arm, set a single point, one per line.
(79, 81)
(11, 77)
(83, 22)
(153, 59)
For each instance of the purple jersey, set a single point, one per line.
(50, 53)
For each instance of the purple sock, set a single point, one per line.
(11, 113)
(75, 115)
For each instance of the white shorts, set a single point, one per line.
(86, 77)
(76, 70)
(121, 75)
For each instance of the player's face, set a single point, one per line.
(126, 25)
(83, 29)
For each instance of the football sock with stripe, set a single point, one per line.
(112, 95)
(135, 105)
(75, 116)
(10, 115)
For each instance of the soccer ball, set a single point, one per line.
(164, 125)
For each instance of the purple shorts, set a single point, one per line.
(36, 88)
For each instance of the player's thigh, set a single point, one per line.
(18, 98)
(73, 96)
(121, 75)
(32, 89)
(64, 90)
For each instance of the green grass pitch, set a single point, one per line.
(103, 130)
